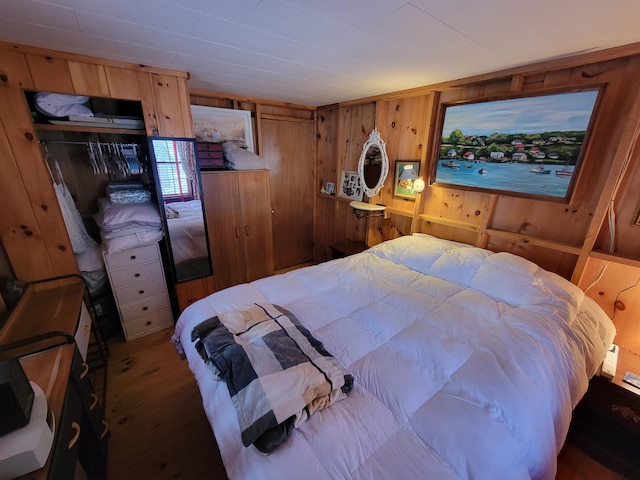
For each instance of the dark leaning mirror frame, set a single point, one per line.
(176, 173)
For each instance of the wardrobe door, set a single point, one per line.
(256, 223)
(238, 211)
(222, 210)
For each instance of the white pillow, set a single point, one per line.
(240, 159)
(140, 239)
(121, 216)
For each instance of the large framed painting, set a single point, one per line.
(529, 146)
(218, 125)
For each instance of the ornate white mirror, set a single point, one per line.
(373, 166)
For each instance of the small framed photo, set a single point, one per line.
(350, 186)
(406, 173)
(330, 189)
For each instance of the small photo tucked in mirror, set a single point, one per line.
(406, 173)
(350, 186)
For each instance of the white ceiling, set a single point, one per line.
(318, 52)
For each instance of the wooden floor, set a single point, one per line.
(159, 430)
(158, 427)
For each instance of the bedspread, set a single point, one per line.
(276, 372)
(187, 232)
(467, 364)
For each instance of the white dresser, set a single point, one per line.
(140, 290)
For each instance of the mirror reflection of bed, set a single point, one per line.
(187, 236)
(178, 180)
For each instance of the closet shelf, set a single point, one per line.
(75, 128)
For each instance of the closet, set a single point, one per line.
(32, 231)
(85, 156)
(238, 211)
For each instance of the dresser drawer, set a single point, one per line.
(140, 291)
(135, 256)
(150, 323)
(135, 275)
(149, 305)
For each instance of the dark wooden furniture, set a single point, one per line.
(81, 432)
(41, 332)
(345, 249)
(606, 423)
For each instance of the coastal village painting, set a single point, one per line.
(529, 145)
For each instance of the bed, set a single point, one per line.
(186, 231)
(466, 364)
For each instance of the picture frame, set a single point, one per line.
(405, 173)
(218, 125)
(330, 188)
(527, 145)
(350, 186)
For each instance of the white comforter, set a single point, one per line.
(186, 232)
(467, 364)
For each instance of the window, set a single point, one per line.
(171, 174)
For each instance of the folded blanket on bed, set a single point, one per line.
(276, 372)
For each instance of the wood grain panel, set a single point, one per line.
(149, 108)
(20, 234)
(189, 292)
(169, 107)
(254, 196)
(49, 74)
(616, 292)
(16, 70)
(49, 231)
(222, 210)
(288, 154)
(123, 83)
(88, 79)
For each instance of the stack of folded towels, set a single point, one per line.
(128, 219)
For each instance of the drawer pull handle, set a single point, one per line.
(141, 292)
(144, 309)
(76, 435)
(94, 397)
(246, 230)
(133, 257)
(137, 275)
(238, 232)
(148, 322)
(85, 370)
(106, 429)
(626, 413)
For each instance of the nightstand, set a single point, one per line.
(345, 249)
(606, 423)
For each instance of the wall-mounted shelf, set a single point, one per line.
(537, 241)
(518, 237)
(450, 223)
(399, 211)
(612, 257)
(75, 128)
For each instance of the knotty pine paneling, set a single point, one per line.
(88, 79)
(50, 74)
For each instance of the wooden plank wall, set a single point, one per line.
(562, 237)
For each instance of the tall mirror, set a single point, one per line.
(373, 165)
(177, 177)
